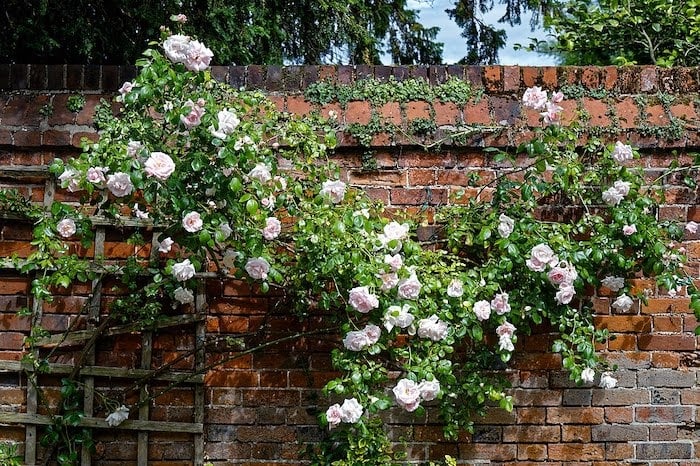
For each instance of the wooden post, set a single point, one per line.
(93, 317)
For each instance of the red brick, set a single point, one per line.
(565, 415)
(666, 305)
(358, 112)
(656, 115)
(477, 113)
(538, 434)
(666, 342)
(576, 452)
(671, 324)
(390, 112)
(577, 434)
(447, 113)
(597, 111)
(298, 105)
(534, 452)
(417, 109)
(11, 341)
(624, 324)
(623, 342)
(493, 78)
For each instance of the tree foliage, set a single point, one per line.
(657, 32)
(240, 32)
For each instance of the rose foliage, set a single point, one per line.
(231, 186)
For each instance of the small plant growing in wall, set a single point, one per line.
(75, 103)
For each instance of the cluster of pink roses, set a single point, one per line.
(191, 53)
(350, 412)
(409, 394)
(561, 273)
(505, 333)
(537, 99)
(616, 193)
(499, 304)
(357, 340)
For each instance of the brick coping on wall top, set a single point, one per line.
(288, 79)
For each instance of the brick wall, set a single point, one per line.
(260, 409)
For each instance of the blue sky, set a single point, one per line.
(432, 13)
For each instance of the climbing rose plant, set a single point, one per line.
(233, 187)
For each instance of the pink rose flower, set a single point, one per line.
(587, 375)
(432, 328)
(273, 228)
(70, 178)
(120, 184)
(183, 270)
(551, 113)
(183, 295)
(395, 261)
(96, 175)
(159, 165)
(482, 309)
(506, 225)
(565, 294)
(334, 415)
(629, 230)
(176, 47)
(194, 115)
(396, 231)
(407, 394)
(362, 300)
(612, 196)
(373, 333)
(622, 187)
(505, 343)
(691, 227)
(335, 190)
(622, 152)
(257, 268)
(541, 256)
(198, 57)
(165, 245)
(623, 303)
(506, 328)
(389, 280)
(563, 274)
(192, 222)
(133, 148)
(261, 172)
(398, 316)
(500, 304)
(429, 389)
(351, 411)
(126, 88)
(409, 288)
(227, 123)
(356, 340)
(535, 98)
(66, 227)
(455, 289)
(613, 283)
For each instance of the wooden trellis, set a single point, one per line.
(89, 371)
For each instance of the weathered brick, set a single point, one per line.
(537, 434)
(664, 414)
(619, 433)
(576, 434)
(620, 397)
(569, 415)
(666, 378)
(570, 452)
(663, 450)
